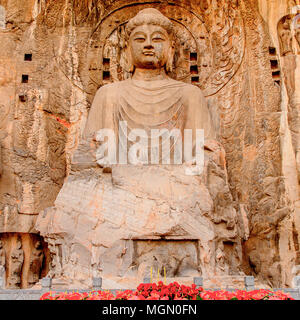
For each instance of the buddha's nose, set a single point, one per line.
(148, 44)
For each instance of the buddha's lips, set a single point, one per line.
(148, 53)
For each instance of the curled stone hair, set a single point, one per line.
(150, 16)
(155, 17)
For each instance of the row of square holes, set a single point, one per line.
(274, 65)
(193, 68)
(25, 77)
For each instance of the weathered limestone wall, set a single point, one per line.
(288, 53)
(34, 126)
(73, 52)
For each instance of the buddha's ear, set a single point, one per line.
(129, 63)
(170, 60)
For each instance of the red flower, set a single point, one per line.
(171, 292)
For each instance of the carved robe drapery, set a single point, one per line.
(149, 105)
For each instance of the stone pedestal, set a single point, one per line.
(137, 218)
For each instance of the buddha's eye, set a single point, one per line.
(157, 39)
(140, 39)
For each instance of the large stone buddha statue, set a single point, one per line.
(122, 222)
(150, 99)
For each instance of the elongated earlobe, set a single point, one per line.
(129, 62)
(169, 65)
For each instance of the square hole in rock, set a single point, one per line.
(106, 61)
(193, 56)
(28, 57)
(276, 75)
(195, 79)
(274, 64)
(23, 98)
(272, 51)
(277, 82)
(106, 75)
(25, 78)
(194, 69)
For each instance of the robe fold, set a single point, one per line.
(149, 105)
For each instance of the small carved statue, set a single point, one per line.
(36, 261)
(220, 257)
(55, 264)
(285, 37)
(2, 17)
(73, 262)
(2, 263)
(17, 260)
(2, 254)
(297, 36)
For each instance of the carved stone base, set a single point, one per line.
(122, 224)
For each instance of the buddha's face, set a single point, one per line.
(150, 46)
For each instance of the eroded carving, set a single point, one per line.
(296, 27)
(35, 266)
(16, 264)
(287, 31)
(285, 36)
(2, 264)
(2, 17)
(167, 258)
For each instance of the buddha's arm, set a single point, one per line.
(101, 113)
(198, 115)
(101, 116)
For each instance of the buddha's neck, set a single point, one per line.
(149, 74)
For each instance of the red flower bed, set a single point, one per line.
(173, 291)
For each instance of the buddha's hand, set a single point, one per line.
(193, 168)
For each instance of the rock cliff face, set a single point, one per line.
(243, 54)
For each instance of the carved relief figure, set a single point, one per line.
(2, 261)
(286, 37)
(220, 257)
(16, 264)
(55, 264)
(2, 17)
(297, 31)
(297, 36)
(36, 261)
(2, 254)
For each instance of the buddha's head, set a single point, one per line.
(150, 41)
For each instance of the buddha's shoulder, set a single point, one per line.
(192, 93)
(188, 90)
(192, 89)
(107, 88)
